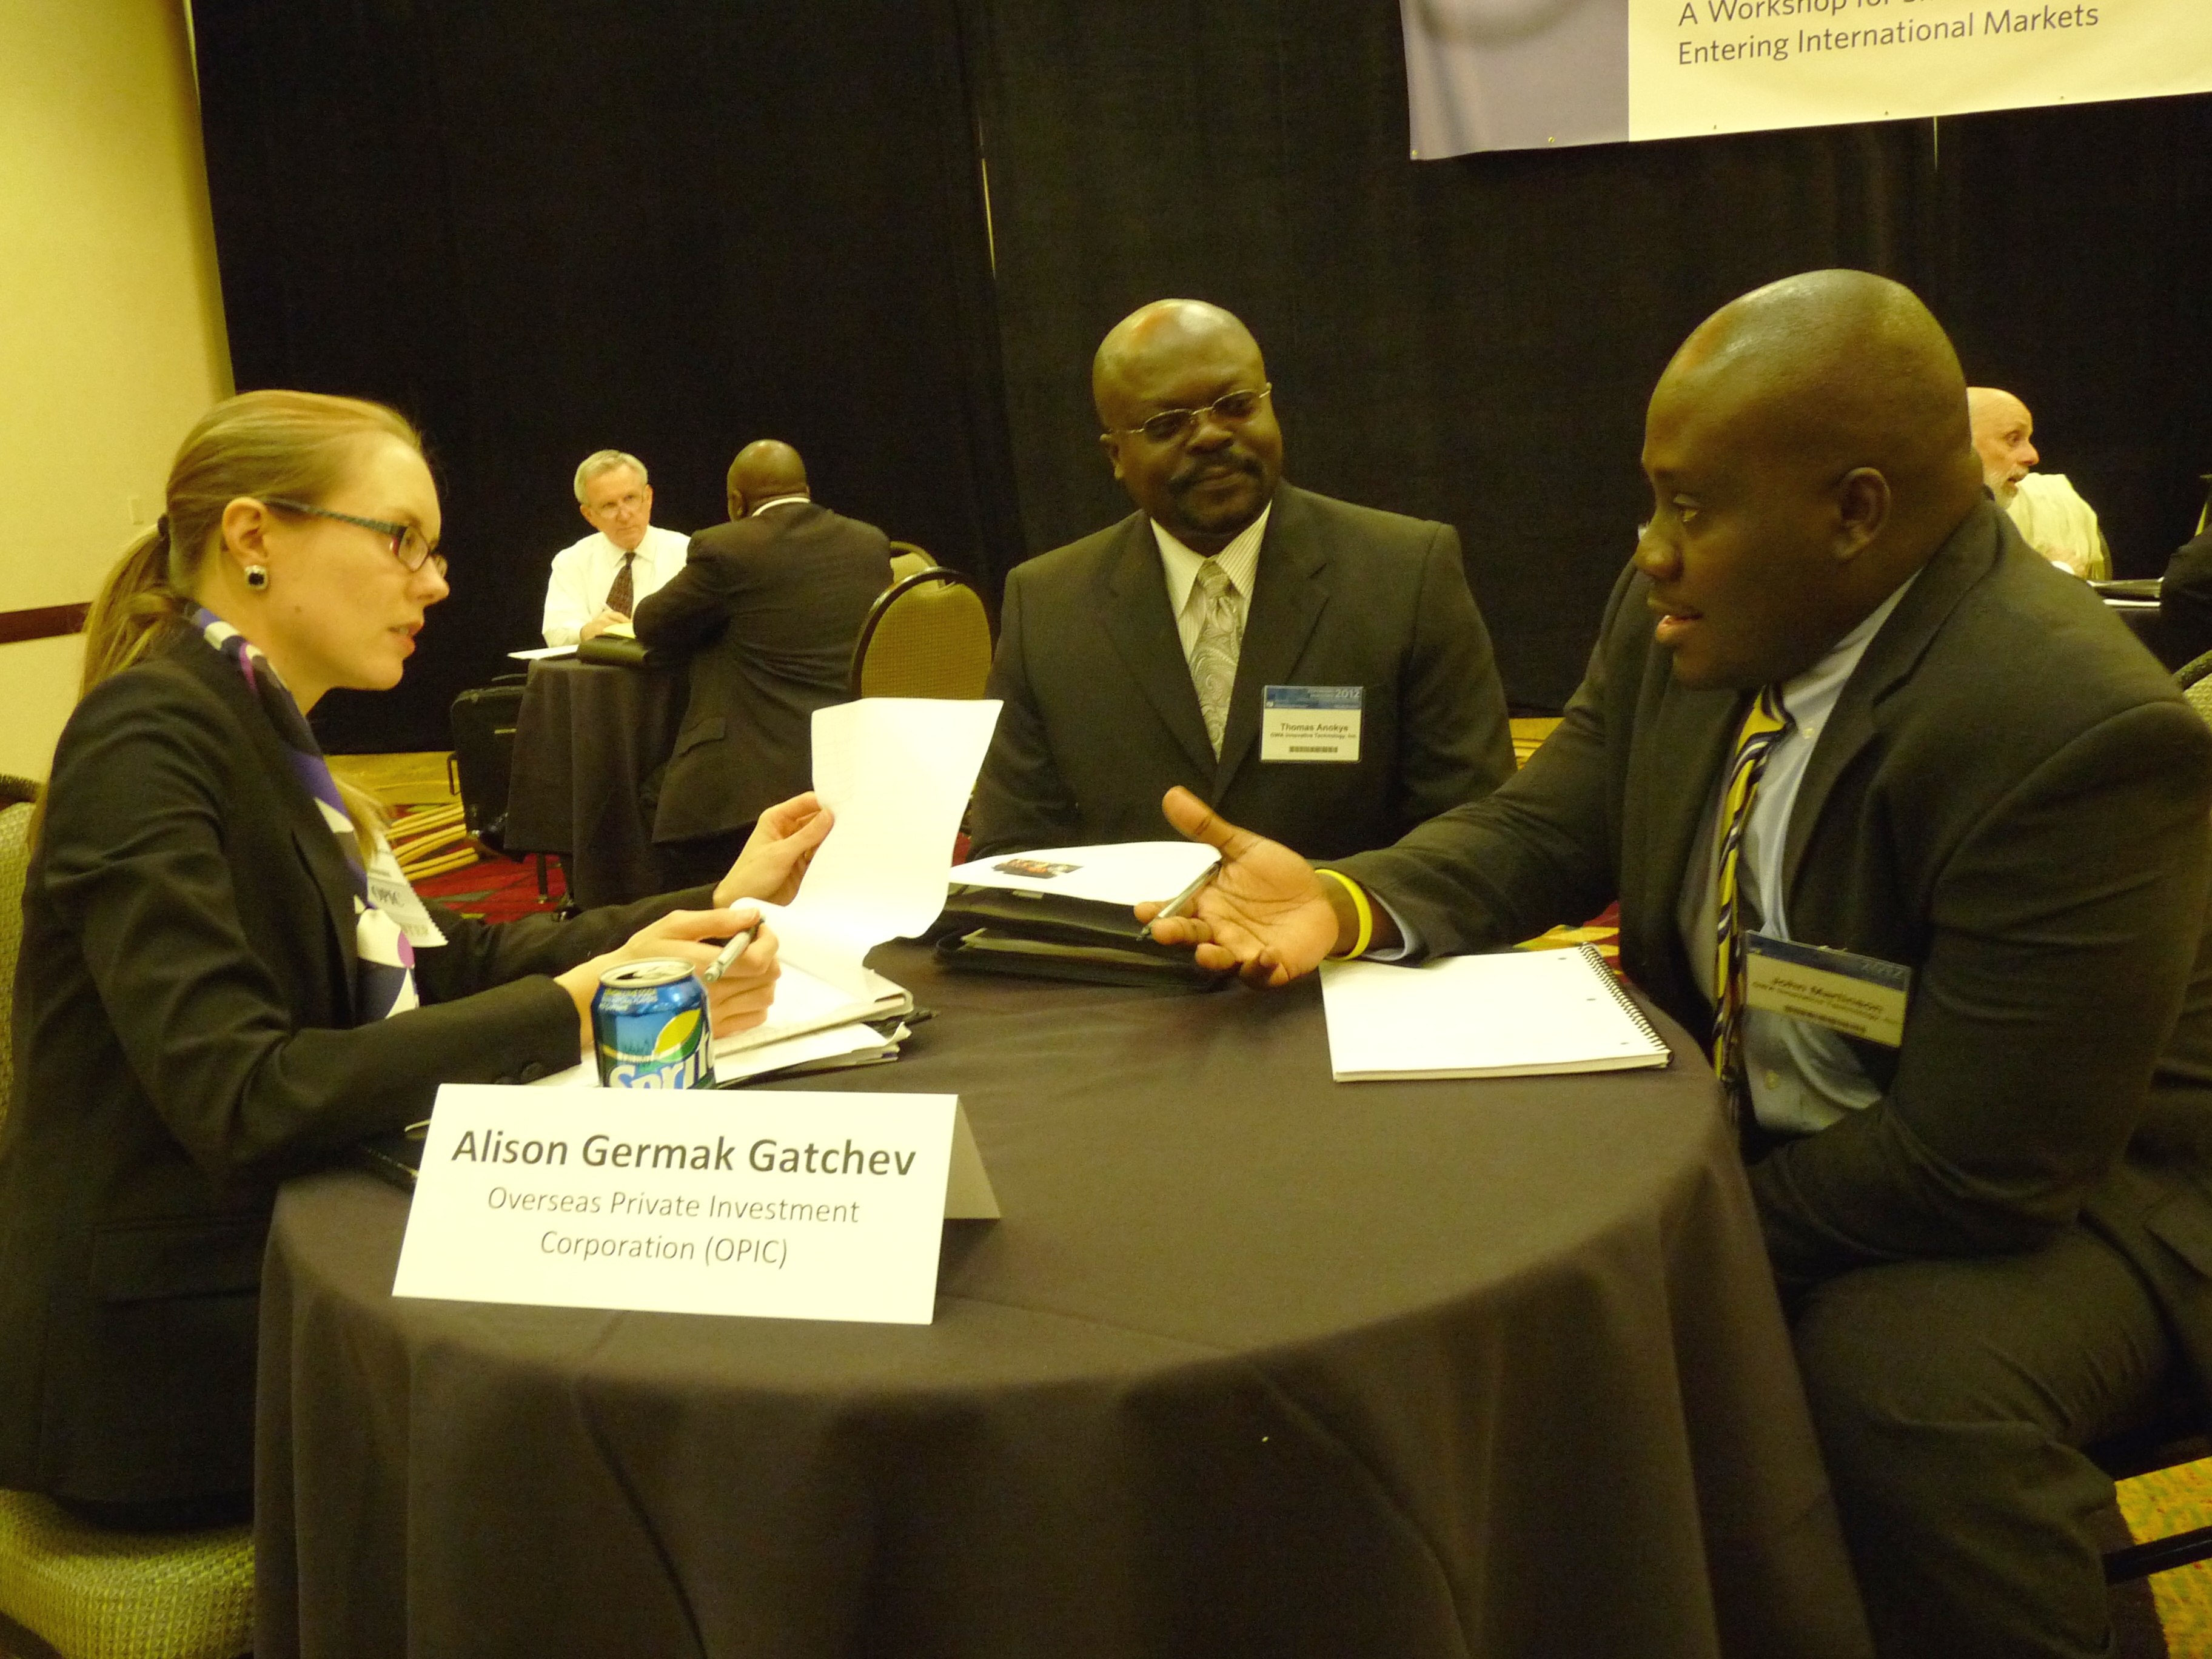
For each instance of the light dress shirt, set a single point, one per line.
(583, 572)
(1802, 1077)
(779, 500)
(1239, 562)
(2052, 518)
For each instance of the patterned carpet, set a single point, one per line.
(1603, 931)
(495, 889)
(2170, 1501)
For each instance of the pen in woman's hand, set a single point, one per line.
(730, 952)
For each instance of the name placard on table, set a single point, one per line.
(817, 1205)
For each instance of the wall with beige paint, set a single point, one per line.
(111, 339)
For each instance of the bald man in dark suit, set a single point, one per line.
(1990, 1221)
(765, 608)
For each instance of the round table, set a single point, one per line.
(586, 738)
(1255, 1363)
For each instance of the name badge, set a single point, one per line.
(1309, 722)
(389, 891)
(1860, 996)
(691, 1201)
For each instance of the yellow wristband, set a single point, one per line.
(1362, 909)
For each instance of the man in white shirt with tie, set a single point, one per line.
(599, 580)
(1316, 669)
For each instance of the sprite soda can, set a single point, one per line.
(649, 1026)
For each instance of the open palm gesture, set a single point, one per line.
(1265, 913)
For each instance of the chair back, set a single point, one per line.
(15, 861)
(927, 635)
(2195, 680)
(78, 1589)
(908, 560)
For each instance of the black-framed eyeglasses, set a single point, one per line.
(1173, 425)
(408, 545)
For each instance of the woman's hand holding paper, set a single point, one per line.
(777, 853)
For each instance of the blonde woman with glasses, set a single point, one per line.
(225, 979)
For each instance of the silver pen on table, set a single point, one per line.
(729, 953)
(1181, 901)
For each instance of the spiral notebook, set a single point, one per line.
(1515, 1013)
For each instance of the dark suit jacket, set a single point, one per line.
(1101, 717)
(184, 1040)
(2185, 603)
(2011, 800)
(768, 608)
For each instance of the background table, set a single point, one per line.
(585, 739)
(1255, 1363)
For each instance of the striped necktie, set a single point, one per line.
(1213, 656)
(1765, 725)
(619, 596)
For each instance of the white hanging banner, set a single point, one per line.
(1529, 73)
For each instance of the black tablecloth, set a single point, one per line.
(1255, 1363)
(585, 739)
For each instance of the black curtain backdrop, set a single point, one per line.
(659, 225)
(1474, 340)
(673, 228)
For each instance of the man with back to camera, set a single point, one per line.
(2048, 511)
(2184, 600)
(1149, 653)
(599, 580)
(1992, 1227)
(767, 608)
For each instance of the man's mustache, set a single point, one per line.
(1213, 466)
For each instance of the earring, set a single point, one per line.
(257, 576)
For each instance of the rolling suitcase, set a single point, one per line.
(484, 752)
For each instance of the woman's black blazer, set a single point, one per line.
(185, 1039)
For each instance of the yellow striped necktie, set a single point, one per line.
(1764, 725)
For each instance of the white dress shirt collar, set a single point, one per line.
(1239, 562)
(780, 501)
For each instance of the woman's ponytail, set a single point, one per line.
(135, 610)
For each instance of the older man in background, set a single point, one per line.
(1206, 639)
(599, 581)
(2050, 514)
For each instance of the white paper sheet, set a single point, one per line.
(539, 653)
(813, 996)
(837, 1041)
(1129, 873)
(898, 772)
